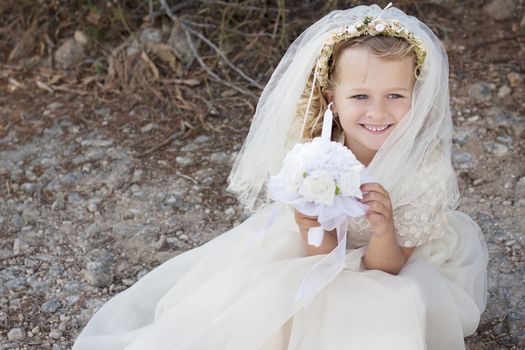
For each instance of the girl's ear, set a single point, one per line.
(329, 96)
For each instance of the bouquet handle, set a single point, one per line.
(315, 235)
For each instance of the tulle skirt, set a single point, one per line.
(223, 295)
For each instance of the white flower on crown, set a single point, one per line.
(351, 29)
(379, 27)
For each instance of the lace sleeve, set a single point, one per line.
(424, 218)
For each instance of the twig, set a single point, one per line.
(187, 177)
(187, 30)
(162, 144)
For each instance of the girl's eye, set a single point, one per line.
(394, 96)
(360, 97)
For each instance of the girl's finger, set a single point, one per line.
(373, 187)
(379, 208)
(375, 196)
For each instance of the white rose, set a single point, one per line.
(350, 181)
(318, 187)
(293, 174)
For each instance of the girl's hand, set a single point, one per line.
(305, 222)
(379, 214)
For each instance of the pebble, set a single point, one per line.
(515, 79)
(230, 211)
(18, 220)
(220, 157)
(496, 149)
(21, 246)
(98, 274)
(55, 334)
(53, 106)
(500, 9)
(504, 138)
(461, 136)
(75, 198)
(58, 204)
(202, 139)
(481, 90)
(3, 316)
(463, 160)
(184, 161)
(504, 91)
(16, 334)
(149, 127)
(92, 207)
(161, 244)
(50, 307)
(96, 143)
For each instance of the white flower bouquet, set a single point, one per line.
(321, 178)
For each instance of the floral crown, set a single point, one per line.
(372, 27)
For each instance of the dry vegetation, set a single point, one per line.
(196, 68)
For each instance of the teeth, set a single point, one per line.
(375, 128)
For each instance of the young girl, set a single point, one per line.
(414, 273)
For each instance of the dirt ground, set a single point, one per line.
(97, 189)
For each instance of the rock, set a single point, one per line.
(16, 334)
(504, 138)
(500, 9)
(18, 220)
(104, 112)
(96, 143)
(53, 106)
(70, 53)
(55, 334)
(504, 91)
(518, 126)
(184, 161)
(21, 246)
(120, 175)
(151, 35)
(190, 147)
(461, 136)
(50, 307)
(92, 207)
(75, 198)
(137, 175)
(161, 244)
(30, 214)
(202, 139)
(3, 316)
(515, 79)
(58, 205)
(81, 37)
(230, 211)
(220, 157)
(481, 90)
(463, 160)
(520, 187)
(178, 41)
(98, 274)
(149, 127)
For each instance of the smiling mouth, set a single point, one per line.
(376, 129)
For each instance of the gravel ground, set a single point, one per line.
(84, 213)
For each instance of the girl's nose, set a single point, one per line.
(376, 109)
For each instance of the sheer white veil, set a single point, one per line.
(424, 133)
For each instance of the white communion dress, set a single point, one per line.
(225, 296)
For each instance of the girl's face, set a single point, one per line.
(371, 95)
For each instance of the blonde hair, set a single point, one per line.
(386, 47)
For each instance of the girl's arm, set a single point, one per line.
(329, 239)
(383, 252)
